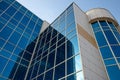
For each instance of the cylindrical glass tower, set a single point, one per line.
(107, 37)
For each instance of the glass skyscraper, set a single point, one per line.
(19, 29)
(75, 46)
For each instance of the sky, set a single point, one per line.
(49, 10)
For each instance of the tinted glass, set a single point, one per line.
(106, 53)
(59, 71)
(110, 37)
(113, 72)
(100, 39)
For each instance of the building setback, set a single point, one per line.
(75, 46)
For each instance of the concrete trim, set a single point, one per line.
(86, 35)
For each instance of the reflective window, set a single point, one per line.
(13, 21)
(1, 25)
(118, 60)
(5, 33)
(11, 10)
(110, 37)
(51, 58)
(2, 42)
(5, 53)
(3, 5)
(9, 47)
(18, 51)
(11, 25)
(23, 42)
(49, 75)
(114, 72)
(70, 27)
(15, 37)
(9, 68)
(70, 18)
(95, 26)
(103, 23)
(71, 34)
(100, 39)
(72, 77)
(110, 62)
(40, 77)
(15, 58)
(106, 53)
(42, 65)
(36, 66)
(71, 66)
(53, 41)
(25, 20)
(37, 28)
(21, 27)
(27, 56)
(117, 34)
(16, 4)
(62, 26)
(20, 74)
(111, 25)
(60, 55)
(70, 50)
(18, 16)
(116, 50)
(31, 24)
(3, 62)
(5, 16)
(75, 47)
(59, 71)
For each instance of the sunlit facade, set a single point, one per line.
(106, 31)
(75, 46)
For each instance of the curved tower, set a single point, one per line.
(105, 28)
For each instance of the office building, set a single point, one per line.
(77, 45)
(19, 29)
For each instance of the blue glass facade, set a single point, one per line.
(57, 56)
(19, 29)
(108, 39)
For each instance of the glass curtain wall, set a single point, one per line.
(57, 54)
(19, 29)
(108, 39)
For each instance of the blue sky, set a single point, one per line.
(49, 10)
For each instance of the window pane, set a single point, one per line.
(15, 37)
(18, 16)
(5, 33)
(51, 58)
(25, 20)
(60, 55)
(11, 66)
(110, 62)
(103, 23)
(23, 42)
(49, 75)
(3, 5)
(11, 10)
(9, 47)
(42, 65)
(110, 37)
(114, 72)
(100, 39)
(106, 53)
(2, 42)
(20, 74)
(59, 71)
(116, 50)
(3, 62)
